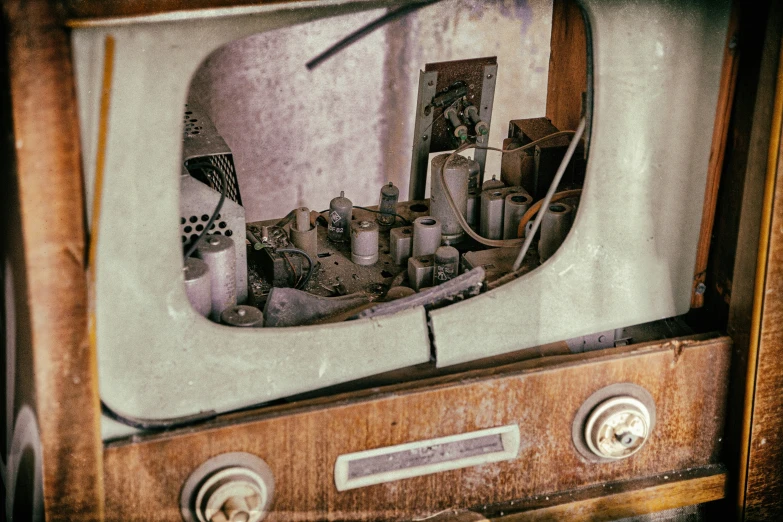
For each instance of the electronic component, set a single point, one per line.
(493, 183)
(460, 129)
(364, 242)
(493, 203)
(198, 285)
(495, 261)
(340, 213)
(515, 206)
(400, 244)
(420, 270)
(426, 236)
(304, 235)
(242, 315)
(197, 203)
(554, 229)
(218, 253)
(278, 260)
(446, 264)
(387, 205)
(456, 174)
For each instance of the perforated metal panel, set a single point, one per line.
(204, 151)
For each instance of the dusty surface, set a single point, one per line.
(299, 137)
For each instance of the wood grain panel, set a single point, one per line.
(615, 500)
(607, 501)
(567, 65)
(46, 132)
(764, 487)
(728, 82)
(301, 443)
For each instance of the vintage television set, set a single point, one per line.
(229, 314)
(628, 258)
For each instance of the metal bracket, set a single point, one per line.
(485, 113)
(428, 84)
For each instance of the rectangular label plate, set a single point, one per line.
(413, 459)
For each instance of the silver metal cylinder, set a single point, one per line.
(218, 253)
(387, 205)
(492, 184)
(456, 176)
(302, 234)
(400, 244)
(340, 213)
(364, 242)
(554, 229)
(491, 222)
(242, 315)
(197, 285)
(446, 265)
(515, 206)
(426, 236)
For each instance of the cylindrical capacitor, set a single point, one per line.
(474, 208)
(197, 285)
(426, 236)
(446, 265)
(218, 253)
(242, 315)
(364, 242)
(492, 203)
(303, 235)
(340, 213)
(456, 175)
(515, 207)
(492, 184)
(388, 205)
(554, 228)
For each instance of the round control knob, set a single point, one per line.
(617, 428)
(232, 487)
(232, 495)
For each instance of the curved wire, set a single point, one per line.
(213, 217)
(365, 30)
(309, 260)
(405, 221)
